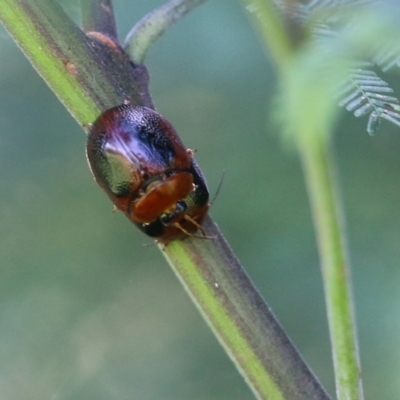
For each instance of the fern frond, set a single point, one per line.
(364, 93)
(314, 5)
(387, 58)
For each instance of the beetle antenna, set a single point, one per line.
(218, 188)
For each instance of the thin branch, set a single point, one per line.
(153, 25)
(208, 268)
(307, 76)
(87, 76)
(98, 16)
(325, 204)
(241, 320)
(270, 25)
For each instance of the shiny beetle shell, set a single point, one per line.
(136, 156)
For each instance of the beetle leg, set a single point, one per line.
(204, 236)
(197, 225)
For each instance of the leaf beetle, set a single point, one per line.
(136, 156)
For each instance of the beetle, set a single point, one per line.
(138, 159)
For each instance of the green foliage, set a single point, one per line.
(332, 47)
(365, 93)
(355, 36)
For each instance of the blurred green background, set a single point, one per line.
(88, 312)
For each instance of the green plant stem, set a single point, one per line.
(102, 77)
(322, 189)
(272, 29)
(312, 137)
(153, 25)
(85, 75)
(240, 319)
(38, 28)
